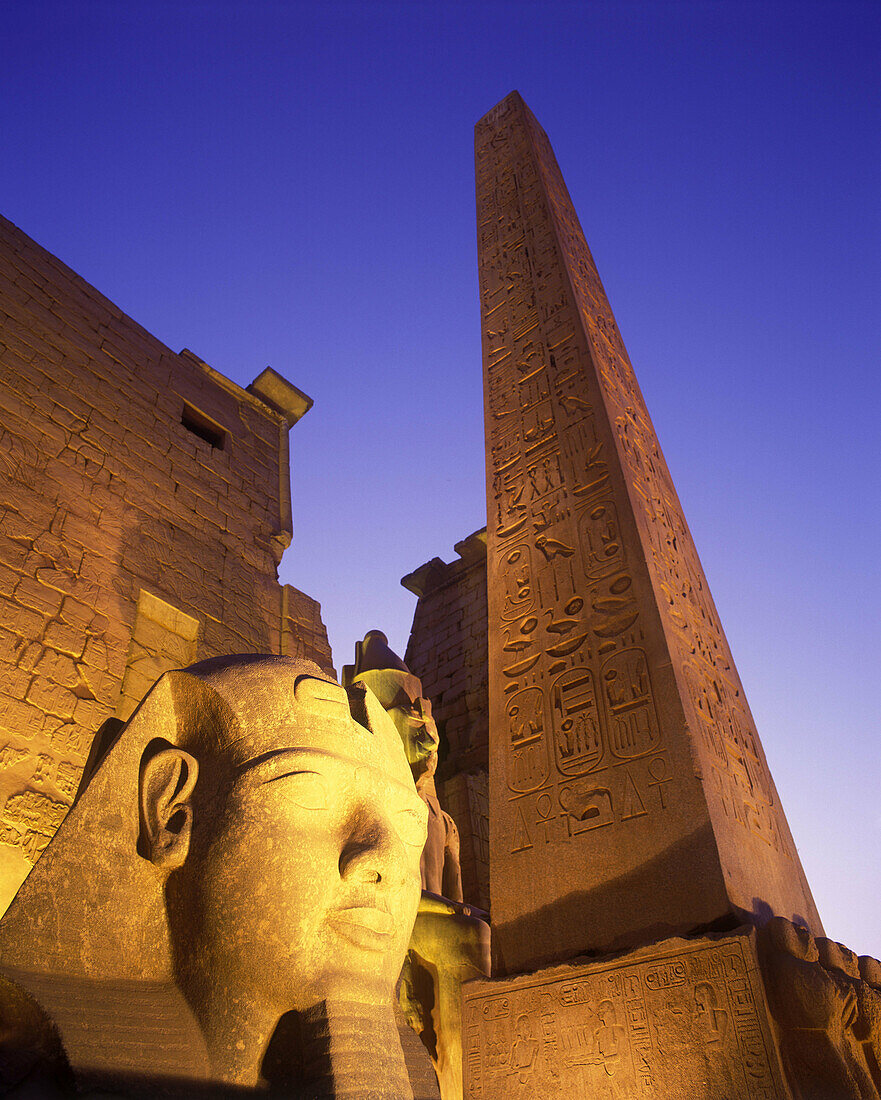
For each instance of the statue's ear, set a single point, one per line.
(168, 776)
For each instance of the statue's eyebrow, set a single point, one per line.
(272, 754)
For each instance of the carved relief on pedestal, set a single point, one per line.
(677, 1019)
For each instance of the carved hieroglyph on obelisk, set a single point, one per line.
(629, 794)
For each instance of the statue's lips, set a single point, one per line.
(366, 918)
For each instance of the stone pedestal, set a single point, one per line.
(749, 1016)
(679, 1019)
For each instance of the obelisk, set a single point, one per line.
(630, 798)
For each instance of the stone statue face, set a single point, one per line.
(248, 849)
(401, 695)
(305, 887)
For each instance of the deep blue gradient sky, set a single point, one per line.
(291, 185)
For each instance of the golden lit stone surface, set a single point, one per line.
(145, 504)
(749, 1016)
(827, 1004)
(680, 1020)
(447, 651)
(232, 895)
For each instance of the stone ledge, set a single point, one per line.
(437, 572)
(281, 395)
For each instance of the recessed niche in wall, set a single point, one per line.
(204, 427)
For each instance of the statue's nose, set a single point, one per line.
(374, 854)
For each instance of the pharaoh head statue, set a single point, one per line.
(248, 848)
(400, 693)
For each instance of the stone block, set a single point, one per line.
(15, 529)
(681, 1020)
(51, 698)
(73, 739)
(88, 714)
(58, 667)
(23, 349)
(64, 637)
(10, 647)
(20, 620)
(76, 613)
(20, 718)
(15, 681)
(9, 579)
(60, 579)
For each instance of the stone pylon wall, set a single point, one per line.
(447, 651)
(144, 507)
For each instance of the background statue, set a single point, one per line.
(230, 899)
(451, 940)
(400, 693)
(828, 1005)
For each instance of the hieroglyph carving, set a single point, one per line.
(688, 1021)
(570, 445)
(585, 745)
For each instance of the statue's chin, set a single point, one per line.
(357, 990)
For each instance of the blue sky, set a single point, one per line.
(291, 185)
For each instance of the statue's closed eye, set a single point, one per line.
(403, 702)
(305, 789)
